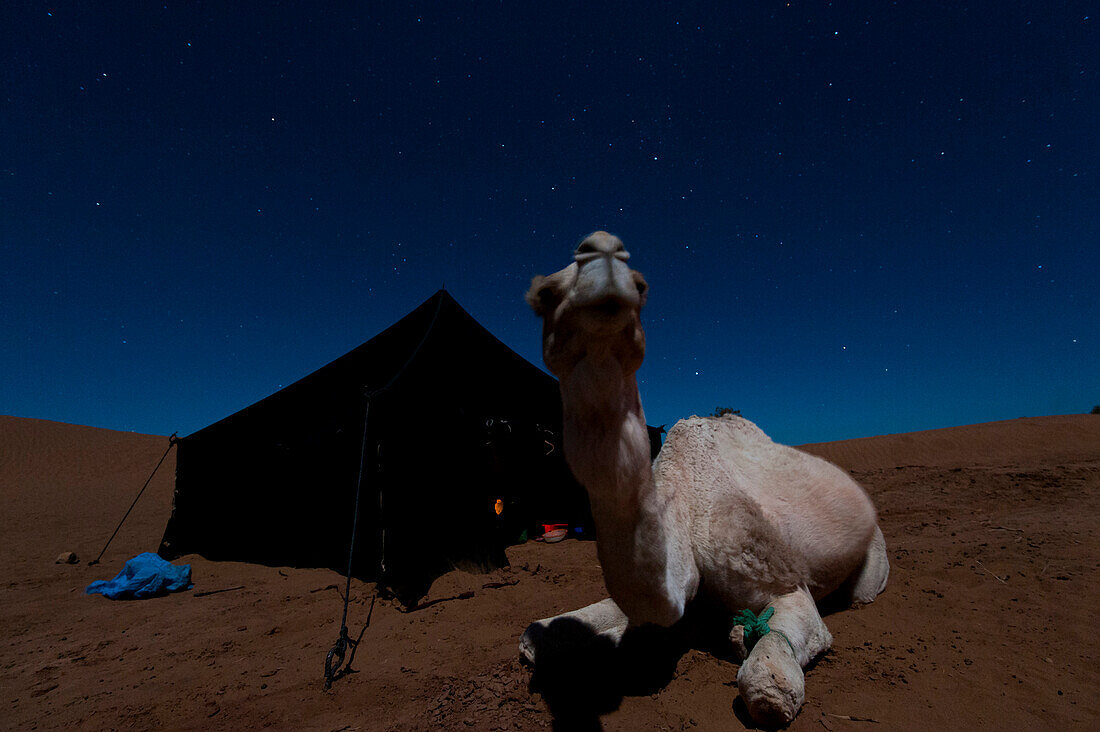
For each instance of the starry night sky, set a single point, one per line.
(855, 218)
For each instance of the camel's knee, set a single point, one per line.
(797, 625)
(602, 621)
(870, 579)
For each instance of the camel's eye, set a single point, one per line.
(586, 247)
(547, 297)
(642, 286)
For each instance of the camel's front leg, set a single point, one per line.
(602, 620)
(770, 679)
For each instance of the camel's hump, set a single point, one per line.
(727, 423)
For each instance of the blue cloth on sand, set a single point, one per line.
(146, 575)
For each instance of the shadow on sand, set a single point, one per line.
(582, 676)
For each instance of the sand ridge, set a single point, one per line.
(1028, 440)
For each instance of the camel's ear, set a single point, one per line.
(542, 296)
(643, 288)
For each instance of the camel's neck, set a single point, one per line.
(642, 540)
(606, 441)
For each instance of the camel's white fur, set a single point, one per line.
(724, 511)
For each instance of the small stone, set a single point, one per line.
(67, 558)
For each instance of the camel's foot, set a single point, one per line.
(601, 622)
(770, 680)
(871, 578)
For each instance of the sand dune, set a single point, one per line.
(986, 624)
(1028, 440)
(65, 487)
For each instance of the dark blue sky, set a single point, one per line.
(855, 218)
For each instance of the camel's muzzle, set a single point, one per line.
(605, 283)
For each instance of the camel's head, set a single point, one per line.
(591, 307)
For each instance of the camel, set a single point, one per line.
(723, 515)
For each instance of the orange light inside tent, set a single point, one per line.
(498, 507)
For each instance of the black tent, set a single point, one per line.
(457, 422)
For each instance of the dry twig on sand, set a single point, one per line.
(990, 573)
(215, 592)
(852, 718)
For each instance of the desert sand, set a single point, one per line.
(987, 622)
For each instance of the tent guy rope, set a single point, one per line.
(335, 657)
(171, 443)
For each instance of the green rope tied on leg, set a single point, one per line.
(756, 627)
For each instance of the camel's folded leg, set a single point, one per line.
(602, 619)
(871, 578)
(770, 679)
